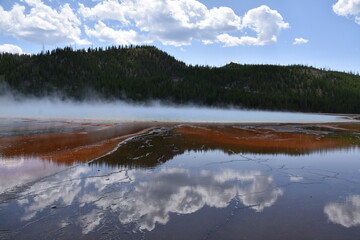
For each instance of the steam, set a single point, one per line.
(55, 108)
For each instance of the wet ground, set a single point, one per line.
(104, 180)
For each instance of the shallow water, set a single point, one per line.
(160, 185)
(19, 171)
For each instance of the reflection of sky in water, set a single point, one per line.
(17, 171)
(345, 213)
(176, 190)
(85, 197)
(152, 196)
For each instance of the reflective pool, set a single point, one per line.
(162, 185)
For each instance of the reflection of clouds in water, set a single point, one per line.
(346, 214)
(151, 200)
(261, 193)
(8, 180)
(18, 171)
(11, 162)
(67, 189)
(257, 190)
(296, 178)
(89, 221)
(176, 191)
(58, 190)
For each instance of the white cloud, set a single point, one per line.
(207, 42)
(110, 9)
(107, 34)
(42, 24)
(179, 22)
(267, 24)
(346, 214)
(348, 8)
(9, 48)
(298, 41)
(231, 41)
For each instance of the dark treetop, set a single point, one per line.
(144, 73)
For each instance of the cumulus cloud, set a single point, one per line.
(110, 9)
(298, 41)
(9, 48)
(42, 24)
(346, 214)
(171, 22)
(107, 34)
(267, 23)
(348, 8)
(179, 22)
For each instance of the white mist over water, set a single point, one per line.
(53, 108)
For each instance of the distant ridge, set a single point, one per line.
(144, 73)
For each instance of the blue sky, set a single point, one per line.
(321, 33)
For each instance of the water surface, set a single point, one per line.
(169, 184)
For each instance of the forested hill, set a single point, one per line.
(145, 73)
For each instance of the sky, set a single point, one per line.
(320, 33)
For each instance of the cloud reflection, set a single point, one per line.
(145, 198)
(346, 214)
(175, 190)
(18, 171)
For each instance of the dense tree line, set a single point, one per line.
(142, 73)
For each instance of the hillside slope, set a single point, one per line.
(145, 73)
